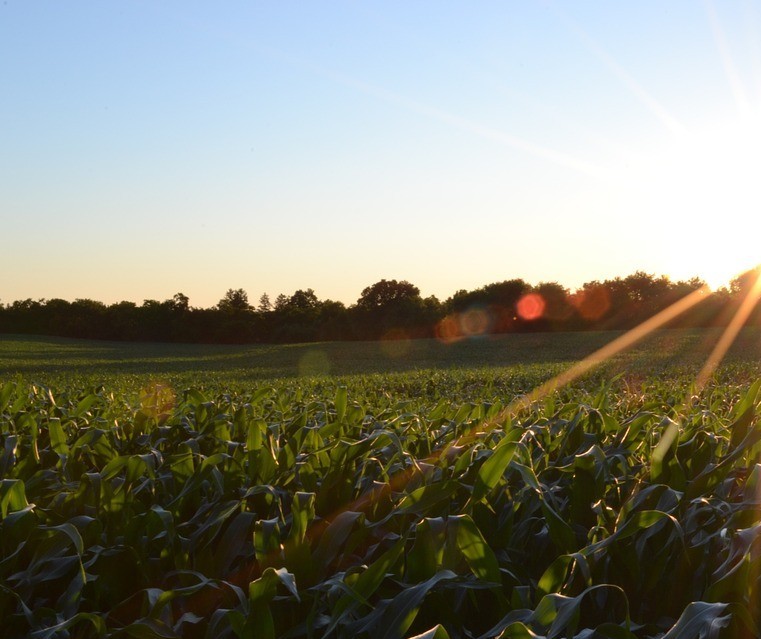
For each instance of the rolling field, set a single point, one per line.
(53, 359)
(389, 489)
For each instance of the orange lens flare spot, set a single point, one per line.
(530, 307)
(592, 303)
(157, 399)
(475, 321)
(448, 330)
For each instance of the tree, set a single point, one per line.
(265, 306)
(644, 287)
(180, 302)
(303, 300)
(234, 301)
(743, 283)
(497, 300)
(744, 288)
(295, 318)
(391, 307)
(556, 301)
(387, 292)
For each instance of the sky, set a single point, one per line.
(155, 147)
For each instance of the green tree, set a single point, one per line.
(265, 306)
(303, 300)
(234, 301)
(180, 302)
(388, 292)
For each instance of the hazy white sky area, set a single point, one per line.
(149, 148)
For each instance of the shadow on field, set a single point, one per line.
(46, 355)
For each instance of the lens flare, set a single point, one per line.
(475, 321)
(157, 399)
(531, 307)
(314, 363)
(396, 343)
(592, 303)
(448, 330)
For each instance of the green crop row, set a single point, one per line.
(381, 507)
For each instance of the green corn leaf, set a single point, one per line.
(365, 585)
(267, 548)
(700, 619)
(480, 557)
(81, 618)
(57, 437)
(85, 404)
(519, 630)
(424, 498)
(437, 632)
(394, 619)
(340, 402)
(334, 537)
(6, 392)
(260, 621)
(495, 465)
(12, 496)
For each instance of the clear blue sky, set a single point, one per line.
(149, 148)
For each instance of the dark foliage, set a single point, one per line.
(389, 309)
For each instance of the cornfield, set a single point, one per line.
(345, 508)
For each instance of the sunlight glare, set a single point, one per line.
(702, 189)
(730, 333)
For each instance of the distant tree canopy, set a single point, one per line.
(387, 309)
(234, 301)
(387, 294)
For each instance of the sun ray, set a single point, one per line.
(551, 110)
(730, 333)
(495, 135)
(733, 77)
(639, 92)
(548, 154)
(752, 18)
(401, 478)
(618, 345)
(720, 349)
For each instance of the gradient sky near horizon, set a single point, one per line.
(149, 148)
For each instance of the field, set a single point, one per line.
(389, 489)
(57, 359)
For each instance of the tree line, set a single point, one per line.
(388, 309)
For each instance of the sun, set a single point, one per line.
(701, 187)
